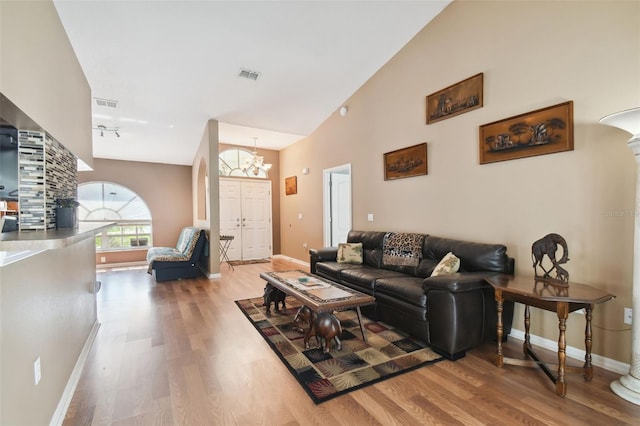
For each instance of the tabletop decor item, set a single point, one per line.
(548, 245)
(456, 99)
(66, 213)
(543, 131)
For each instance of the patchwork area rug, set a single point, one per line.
(388, 352)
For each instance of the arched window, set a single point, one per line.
(109, 202)
(231, 161)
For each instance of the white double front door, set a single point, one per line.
(245, 213)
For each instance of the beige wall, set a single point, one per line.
(40, 74)
(48, 309)
(165, 188)
(270, 157)
(206, 158)
(533, 55)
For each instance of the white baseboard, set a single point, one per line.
(291, 259)
(121, 264)
(74, 378)
(573, 352)
(214, 276)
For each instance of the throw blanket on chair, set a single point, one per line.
(181, 253)
(402, 249)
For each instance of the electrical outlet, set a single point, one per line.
(627, 315)
(103, 259)
(304, 245)
(37, 373)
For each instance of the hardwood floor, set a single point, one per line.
(182, 353)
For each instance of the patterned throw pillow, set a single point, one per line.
(448, 265)
(350, 253)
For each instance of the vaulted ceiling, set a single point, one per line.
(172, 65)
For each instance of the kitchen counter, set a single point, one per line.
(15, 246)
(47, 240)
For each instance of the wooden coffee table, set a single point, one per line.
(319, 294)
(562, 300)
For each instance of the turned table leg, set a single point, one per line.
(563, 314)
(499, 331)
(527, 326)
(588, 368)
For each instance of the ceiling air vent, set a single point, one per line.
(106, 103)
(251, 75)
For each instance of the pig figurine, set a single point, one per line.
(272, 294)
(324, 326)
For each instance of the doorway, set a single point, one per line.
(245, 213)
(337, 204)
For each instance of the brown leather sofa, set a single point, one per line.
(452, 313)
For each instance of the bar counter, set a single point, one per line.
(48, 316)
(20, 241)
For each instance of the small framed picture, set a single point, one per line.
(291, 185)
(456, 99)
(406, 162)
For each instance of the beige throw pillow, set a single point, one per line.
(350, 253)
(448, 265)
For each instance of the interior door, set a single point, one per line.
(231, 215)
(340, 207)
(337, 210)
(256, 220)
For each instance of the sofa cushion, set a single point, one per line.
(407, 289)
(332, 269)
(425, 269)
(473, 256)
(448, 265)
(350, 253)
(371, 246)
(365, 277)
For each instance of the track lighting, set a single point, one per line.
(104, 128)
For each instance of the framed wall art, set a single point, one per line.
(456, 99)
(543, 131)
(406, 162)
(291, 185)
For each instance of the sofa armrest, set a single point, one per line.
(459, 282)
(321, 255)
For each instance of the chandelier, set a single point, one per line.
(255, 164)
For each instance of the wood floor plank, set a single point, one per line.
(182, 353)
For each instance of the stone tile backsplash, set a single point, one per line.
(47, 171)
